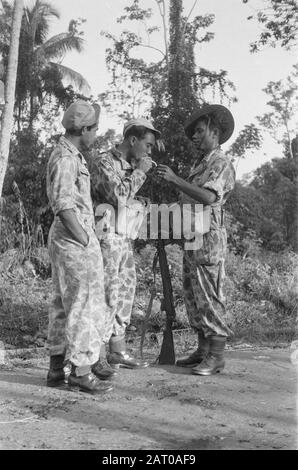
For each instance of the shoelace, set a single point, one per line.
(91, 377)
(104, 364)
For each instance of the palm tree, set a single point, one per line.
(40, 71)
(7, 120)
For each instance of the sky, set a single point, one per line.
(228, 51)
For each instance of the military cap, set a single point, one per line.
(140, 122)
(80, 114)
(222, 115)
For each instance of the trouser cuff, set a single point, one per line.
(117, 344)
(219, 338)
(79, 371)
(102, 352)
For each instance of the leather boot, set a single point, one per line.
(56, 376)
(83, 380)
(118, 356)
(214, 361)
(102, 368)
(198, 355)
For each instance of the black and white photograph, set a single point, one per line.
(148, 228)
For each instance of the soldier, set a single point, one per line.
(76, 316)
(210, 182)
(116, 178)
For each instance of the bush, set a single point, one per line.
(262, 296)
(24, 302)
(271, 277)
(260, 288)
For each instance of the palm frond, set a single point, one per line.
(73, 77)
(61, 43)
(38, 20)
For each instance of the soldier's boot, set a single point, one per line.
(198, 355)
(83, 380)
(214, 361)
(56, 375)
(118, 357)
(102, 368)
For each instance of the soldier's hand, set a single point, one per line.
(71, 223)
(166, 173)
(85, 240)
(145, 164)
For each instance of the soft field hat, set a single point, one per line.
(222, 115)
(140, 122)
(80, 114)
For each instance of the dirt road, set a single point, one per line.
(251, 405)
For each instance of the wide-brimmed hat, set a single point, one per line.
(140, 122)
(80, 114)
(223, 117)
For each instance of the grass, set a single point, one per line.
(24, 300)
(261, 296)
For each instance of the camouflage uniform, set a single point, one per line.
(77, 313)
(120, 283)
(115, 182)
(203, 269)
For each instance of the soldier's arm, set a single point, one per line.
(62, 181)
(201, 195)
(109, 184)
(71, 223)
(221, 179)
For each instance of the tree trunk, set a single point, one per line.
(7, 119)
(175, 77)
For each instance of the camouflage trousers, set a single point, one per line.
(203, 296)
(77, 312)
(120, 283)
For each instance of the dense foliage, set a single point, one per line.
(279, 21)
(167, 91)
(261, 212)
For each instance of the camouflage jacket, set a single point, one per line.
(68, 182)
(216, 173)
(114, 182)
